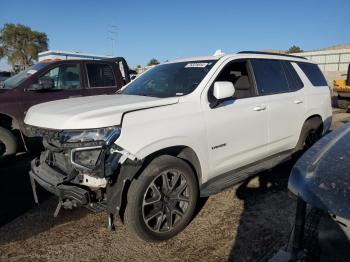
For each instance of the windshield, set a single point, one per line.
(169, 80)
(15, 80)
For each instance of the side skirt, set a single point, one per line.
(228, 179)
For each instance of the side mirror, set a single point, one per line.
(222, 90)
(44, 83)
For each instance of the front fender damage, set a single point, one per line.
(115, 188)
(128, 167)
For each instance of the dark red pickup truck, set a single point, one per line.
(47, 81)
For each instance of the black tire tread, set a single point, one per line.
(132, 216)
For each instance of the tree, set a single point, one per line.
(138, 66)
(294, 49)
(153, 61)
(21, 45)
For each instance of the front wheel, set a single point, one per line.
(8, 144)
(162, 200)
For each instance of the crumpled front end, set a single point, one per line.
(83, 168)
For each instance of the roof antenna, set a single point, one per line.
(218, 52)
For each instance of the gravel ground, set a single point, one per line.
(245, 223)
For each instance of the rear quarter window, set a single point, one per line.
(294, 81)
(100, 75)
(313, 73)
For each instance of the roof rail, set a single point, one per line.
(269, 53)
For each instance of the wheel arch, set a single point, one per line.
(183, 152)
(9, 122)
(118, 197)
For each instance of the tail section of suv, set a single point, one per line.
(182, 130)
(48, 81)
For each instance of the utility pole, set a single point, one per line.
(112, 35)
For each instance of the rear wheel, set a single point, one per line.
(162, 200)
(8, 144)
(310, 134)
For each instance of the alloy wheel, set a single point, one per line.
(165, 201)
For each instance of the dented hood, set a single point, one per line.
(90, 112)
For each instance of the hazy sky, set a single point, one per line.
(171, 29)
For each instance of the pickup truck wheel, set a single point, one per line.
(8, 144)
(162, 200)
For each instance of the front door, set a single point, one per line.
(237, 129)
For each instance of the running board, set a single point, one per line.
(226, 180)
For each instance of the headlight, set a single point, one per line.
(86, 157)
(107, 135)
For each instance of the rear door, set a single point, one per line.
(103, 78)
(68, 83)
(280, 84)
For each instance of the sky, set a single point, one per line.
(167, 30)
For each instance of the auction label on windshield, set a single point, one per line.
(200, 65)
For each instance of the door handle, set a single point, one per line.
(298, 102)
(259, 108)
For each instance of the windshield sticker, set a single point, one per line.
(198, 65)
(32, 71)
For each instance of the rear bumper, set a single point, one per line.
(55, 182)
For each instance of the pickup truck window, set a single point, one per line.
(15, 80)
(100, 75)
(66, 76)
(169, 80)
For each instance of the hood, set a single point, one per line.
(90, 112)
(321, 177)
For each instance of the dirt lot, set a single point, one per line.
(245, 223)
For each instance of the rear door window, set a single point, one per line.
(270, 76)
(100, 75)
(313, 73)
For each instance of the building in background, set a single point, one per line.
(333, 61)
(64, 55)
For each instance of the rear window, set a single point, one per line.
(294, 81)
(100, 75)
(313, 73)
(270, 76)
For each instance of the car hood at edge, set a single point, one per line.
(90, 112)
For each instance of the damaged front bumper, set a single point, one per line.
(98, 188)
(56, 183)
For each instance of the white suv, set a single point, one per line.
(182, 130)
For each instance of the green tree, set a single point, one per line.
(21, 45)
(153, 61)
(294, 49)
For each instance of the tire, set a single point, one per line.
(148, 196)
(343, 103)
(311, 229)
(8, 145)
(310, 134)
